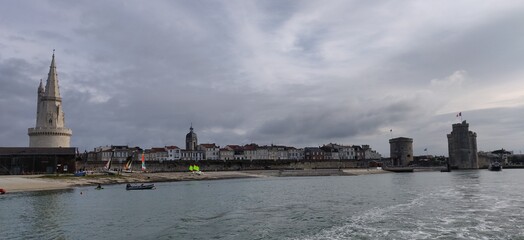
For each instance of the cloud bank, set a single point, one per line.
(284, 72)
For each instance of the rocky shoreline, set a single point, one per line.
(26, 183)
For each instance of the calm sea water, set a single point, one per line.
(427, 205)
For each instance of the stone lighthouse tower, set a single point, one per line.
(50, 130)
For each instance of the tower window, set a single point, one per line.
(50, 121)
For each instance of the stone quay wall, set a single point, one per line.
(229, 165)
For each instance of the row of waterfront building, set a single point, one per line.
(211, 151)
(462, 151)
(233, 152)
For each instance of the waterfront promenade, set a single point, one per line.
(24, 183)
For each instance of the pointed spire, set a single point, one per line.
(51, 88)
(191, 128)
(41, 87)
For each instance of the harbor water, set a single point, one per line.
(423, 205)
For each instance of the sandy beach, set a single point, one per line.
(24, 183)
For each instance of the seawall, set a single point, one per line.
(229, 165)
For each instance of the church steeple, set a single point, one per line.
(191, 140)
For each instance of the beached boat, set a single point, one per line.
(195, 169)
(128, 164)
(107, 167)
(80, 174)
(140, 187)
(495, 166)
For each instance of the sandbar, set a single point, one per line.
(26, 183)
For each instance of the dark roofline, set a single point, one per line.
(37, 151)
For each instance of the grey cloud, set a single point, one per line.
(54, 36)
(320, 124)
(140, 74)
(17, 100)
(487, 51)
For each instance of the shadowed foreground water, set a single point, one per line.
(429, 205)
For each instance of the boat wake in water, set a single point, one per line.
(443, 214)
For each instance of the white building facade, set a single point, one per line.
(211, 151)
(173, 153)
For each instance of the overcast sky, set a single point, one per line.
(299, 73)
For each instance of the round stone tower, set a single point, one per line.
(401, 151)
(50, 130)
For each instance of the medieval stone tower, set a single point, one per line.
(50, 130)
(191, 140)
(401, 151)
(462, 147)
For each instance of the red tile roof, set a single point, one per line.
(158, 150)
(250, 147)
(208, 145)
(234, 147)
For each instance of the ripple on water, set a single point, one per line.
(423, 206)
(488, 218)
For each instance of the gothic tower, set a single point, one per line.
(50, 130)
(191, 140)
(462, 147)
